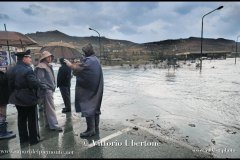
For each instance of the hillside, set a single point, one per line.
(54, 36)
(128, 50)
(192, 44)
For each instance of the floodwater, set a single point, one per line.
(200, 109)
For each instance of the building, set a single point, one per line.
(206, 54)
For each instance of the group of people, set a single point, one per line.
(27, 86)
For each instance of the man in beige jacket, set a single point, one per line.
(45, 74)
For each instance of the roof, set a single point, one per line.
(204, 52)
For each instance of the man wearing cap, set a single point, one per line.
(23, 85)
(89, 89)
(45, 74)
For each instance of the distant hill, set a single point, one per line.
(126, 49)
(51, 36)
(192, 44)
(54, 36)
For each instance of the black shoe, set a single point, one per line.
(35, 142)
(24, 144)
(23, 141)
(59, 129)
(88, 134)
(65, 110)
(7, 135)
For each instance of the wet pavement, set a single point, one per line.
(116, 140)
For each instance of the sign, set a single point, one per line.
(3, 59)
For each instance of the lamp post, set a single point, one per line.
(10, 56)
(236, 48)
(98, 41)
(202, 34)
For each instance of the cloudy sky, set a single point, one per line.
(138, 22)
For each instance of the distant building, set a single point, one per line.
(207, 54)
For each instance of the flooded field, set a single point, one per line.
(198, 109)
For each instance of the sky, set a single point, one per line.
(139, 22)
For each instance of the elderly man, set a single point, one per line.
(45, 74)
(23, 86)
(89, 89)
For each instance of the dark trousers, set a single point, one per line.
(28, 123)
(65, 92)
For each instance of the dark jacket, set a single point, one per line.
(64, 76)
(23, 85)
(4, 95)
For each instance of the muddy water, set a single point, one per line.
(202, 109)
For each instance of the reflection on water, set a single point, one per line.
(170, 76)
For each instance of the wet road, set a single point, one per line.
(116, 140)
(185, 111)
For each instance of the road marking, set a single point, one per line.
(109, 137)
(165, 138)
(160, 136)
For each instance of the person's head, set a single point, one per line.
(25, 57)
(61, 60)
(88, 50)
(46, 57)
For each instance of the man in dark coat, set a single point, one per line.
(89, 89)
(4, 95)
(23, 85)
(64, 83)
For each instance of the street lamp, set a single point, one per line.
(98, 41)
(236, 48)
(9, 53)
(202, 34)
